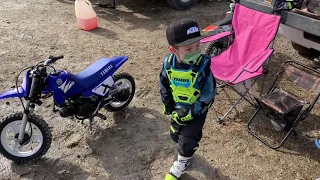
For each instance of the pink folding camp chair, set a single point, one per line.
(254, 33)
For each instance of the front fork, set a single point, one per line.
(28, 109)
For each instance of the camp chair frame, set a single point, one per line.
(302, 79)
(242, 96)
(252, 65)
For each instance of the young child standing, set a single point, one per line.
(187, 88)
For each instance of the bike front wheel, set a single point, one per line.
(36, 141)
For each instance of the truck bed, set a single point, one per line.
(289, 18)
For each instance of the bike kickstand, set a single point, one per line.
(90, 123)
(54, 107)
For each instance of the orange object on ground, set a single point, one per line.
(86, 17)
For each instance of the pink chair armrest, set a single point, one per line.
(255, 64)
(215, 37)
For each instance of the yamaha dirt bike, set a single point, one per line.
(80, 96)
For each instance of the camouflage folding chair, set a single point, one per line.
(285, 109)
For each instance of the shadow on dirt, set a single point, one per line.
(49, 169)
(128, 149)
(201, 166)
(105, 33)
(66, 1)
(151, 14)
(139, 139)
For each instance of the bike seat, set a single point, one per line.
(97, 71)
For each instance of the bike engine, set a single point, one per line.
(66, 111)
(80, 108)
(85, 109)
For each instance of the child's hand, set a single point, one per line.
(165, 110)
(182, 116)
(187, 117)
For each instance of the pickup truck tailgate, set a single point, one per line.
(292, 19)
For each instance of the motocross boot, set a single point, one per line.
(178, 168)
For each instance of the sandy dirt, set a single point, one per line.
(135, 143)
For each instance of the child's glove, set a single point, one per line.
(182, 116)
(166, 110)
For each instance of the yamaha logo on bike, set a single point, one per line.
(66, 86)
(59, 81)
(106, 70)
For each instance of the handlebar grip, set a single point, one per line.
(53, 59)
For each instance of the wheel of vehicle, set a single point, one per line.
(214, 48)
(217, 47)
(181, 4)
(36, 142)
(125, 85)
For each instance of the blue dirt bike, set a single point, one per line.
(80, 96)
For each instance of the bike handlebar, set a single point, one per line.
(52, 59)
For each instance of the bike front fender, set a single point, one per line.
(13, 93)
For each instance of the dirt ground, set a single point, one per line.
(135, 144)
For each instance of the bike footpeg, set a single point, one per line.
(101, 116)
(38, 102)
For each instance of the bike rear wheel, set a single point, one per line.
(124, 82)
